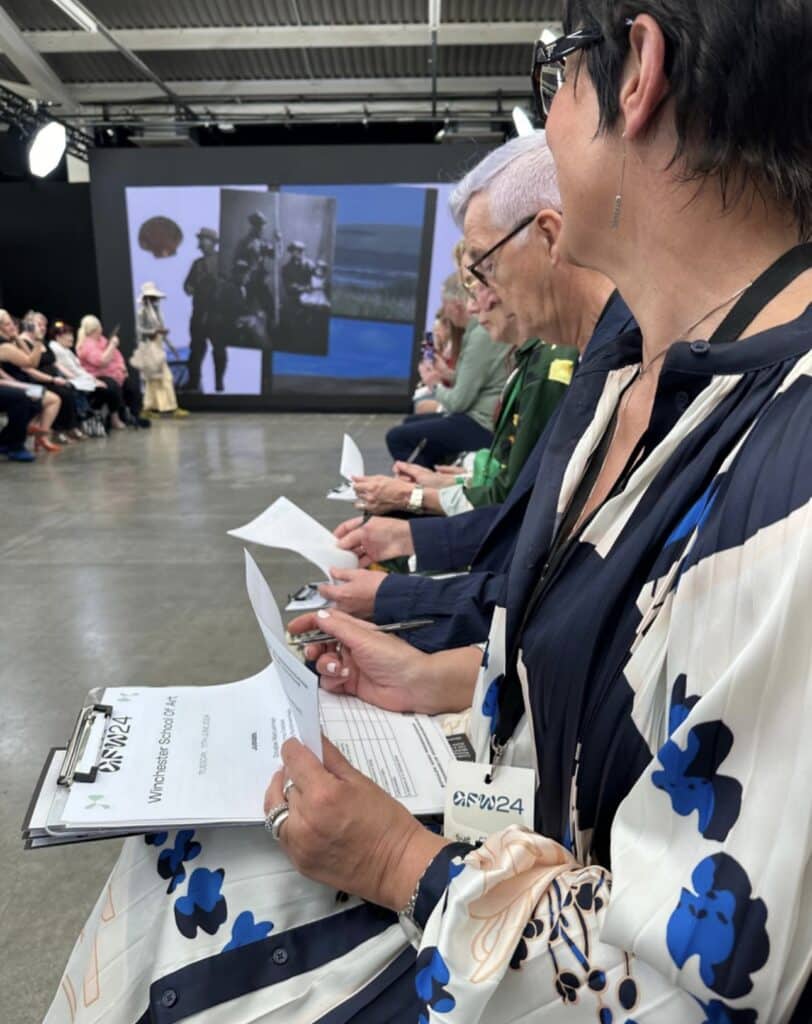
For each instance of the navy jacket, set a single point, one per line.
(482, 541)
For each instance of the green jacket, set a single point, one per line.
(537, 385)
(479, 378)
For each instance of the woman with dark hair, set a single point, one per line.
(39, 368)
(652, 669)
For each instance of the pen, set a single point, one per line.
(316, 636)
(421, 444)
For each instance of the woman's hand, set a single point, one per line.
(114, 342)
(441, 366)
(382, 494)
(377, 667)
(346, 832)
(429, 375)
(376, 539)
(355, 592)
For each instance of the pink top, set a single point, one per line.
(90, 357)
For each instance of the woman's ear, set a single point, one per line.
(645, 83)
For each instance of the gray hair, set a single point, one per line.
(518, 179)
(453, 290)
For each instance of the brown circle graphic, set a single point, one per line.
(161, 236)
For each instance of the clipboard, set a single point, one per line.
(92, 723)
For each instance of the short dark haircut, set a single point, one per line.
(740, 73)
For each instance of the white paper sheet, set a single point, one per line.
(352, 464)
(352, 461)
(285, 525)
(301, 686)
(195, 755)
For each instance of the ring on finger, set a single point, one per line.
(287, 788)
(275, 818)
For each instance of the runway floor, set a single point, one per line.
(116, 569)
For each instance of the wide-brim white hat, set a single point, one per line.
(149, 290)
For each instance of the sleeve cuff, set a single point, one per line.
(437, 879)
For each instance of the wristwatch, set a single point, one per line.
(415, 503)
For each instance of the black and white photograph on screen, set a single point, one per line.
(249, 265)
(202, 285)
(308, 231)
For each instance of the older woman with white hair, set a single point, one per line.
(150, 356)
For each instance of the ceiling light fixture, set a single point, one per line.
(78, 13)
(524, 126)
(47, 149)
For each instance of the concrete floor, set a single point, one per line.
(115, 569)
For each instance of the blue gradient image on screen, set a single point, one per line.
(358, 350)
(379, 231)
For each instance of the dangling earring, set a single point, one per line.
(618, 207)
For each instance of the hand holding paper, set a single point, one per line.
(352, 464)
(284, 525)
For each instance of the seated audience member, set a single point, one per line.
(29, 370)
(35, 415)
(100, 394)
(19, 411)
(103, 359)
(466, 420)
(648, 677)
(447, 344)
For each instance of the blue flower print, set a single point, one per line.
(245, 930)
(455, 867)
(722, 925)
(680, 704)
(156, 838)
(490, 705)
(171, 861)
(690, 779)
(202, 906)
(431, 975)
(717, 1013)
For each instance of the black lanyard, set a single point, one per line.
(760, 293)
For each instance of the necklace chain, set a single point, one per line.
(688, 330)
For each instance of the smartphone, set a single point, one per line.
(428, 347)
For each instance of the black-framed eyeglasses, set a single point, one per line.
(549, 63)
(481, 274)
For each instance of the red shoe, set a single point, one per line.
(37, 431)
(42, 444)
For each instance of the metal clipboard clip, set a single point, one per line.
(68, 773)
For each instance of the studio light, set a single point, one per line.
(78, 13)
(47, 149)
(524, 126)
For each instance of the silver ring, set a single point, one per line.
(278, 822)
(287, 788)
(275, 817)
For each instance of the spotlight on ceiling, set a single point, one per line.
(47, 149)
(78, 13)
(524, 126)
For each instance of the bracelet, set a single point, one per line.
(411, 906)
